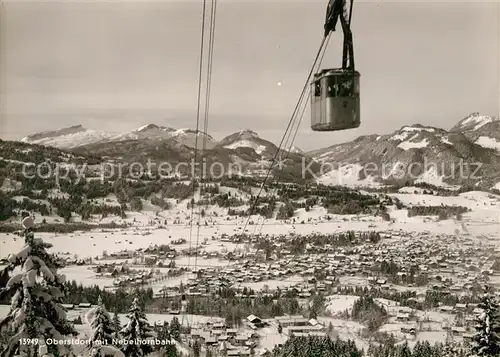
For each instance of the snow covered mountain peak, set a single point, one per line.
(247, 134)
(247, 139)
(77, 136)
(415, 136)
(67, 138)
(418, 127)
(187, 131)
(150, 127)
(53, 133)
(475, 138)
(481, 129)
(414, 146)
(474, 122)
(296, 150)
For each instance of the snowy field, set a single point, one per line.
(187, 320)
(337, 304)
(483, 221)
(432, 328)
(86, 276)
(274, 284)
(481, 224)
(85, 329)
(269, 336)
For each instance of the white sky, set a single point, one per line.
(118, 65)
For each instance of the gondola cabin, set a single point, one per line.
(335, 100)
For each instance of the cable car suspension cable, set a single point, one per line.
(197, 132)
(211, 42)
(307, 101)
(198, 110)
(278, 151)
(297, 126)
(317, 63)
(210, 65)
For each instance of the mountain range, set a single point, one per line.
(467, 154)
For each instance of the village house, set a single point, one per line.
(84, 305)
(403, 317)
(409, 329)
(255, 322)
(293, 330)
(238, 352)
(286, 321)
(240, 340)
(446, 309)
(458, 330)
(150, 260)
(311, 333)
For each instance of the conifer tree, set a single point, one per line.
(164, 333)
(36, 310)
(175, 329)
(196, 348)
(136, 332)
(102, 331)
(486, 342)
(170, 350)
(313, 346)
(404, 350)
(116, 324)
(450, 350)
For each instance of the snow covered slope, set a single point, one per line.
(467, 155)
(77, 136)
(483, 130)
(248, 139)
(475, 122)
(67, 138)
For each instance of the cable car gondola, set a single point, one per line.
(335, 92)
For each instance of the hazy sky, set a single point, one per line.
(117, 66)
